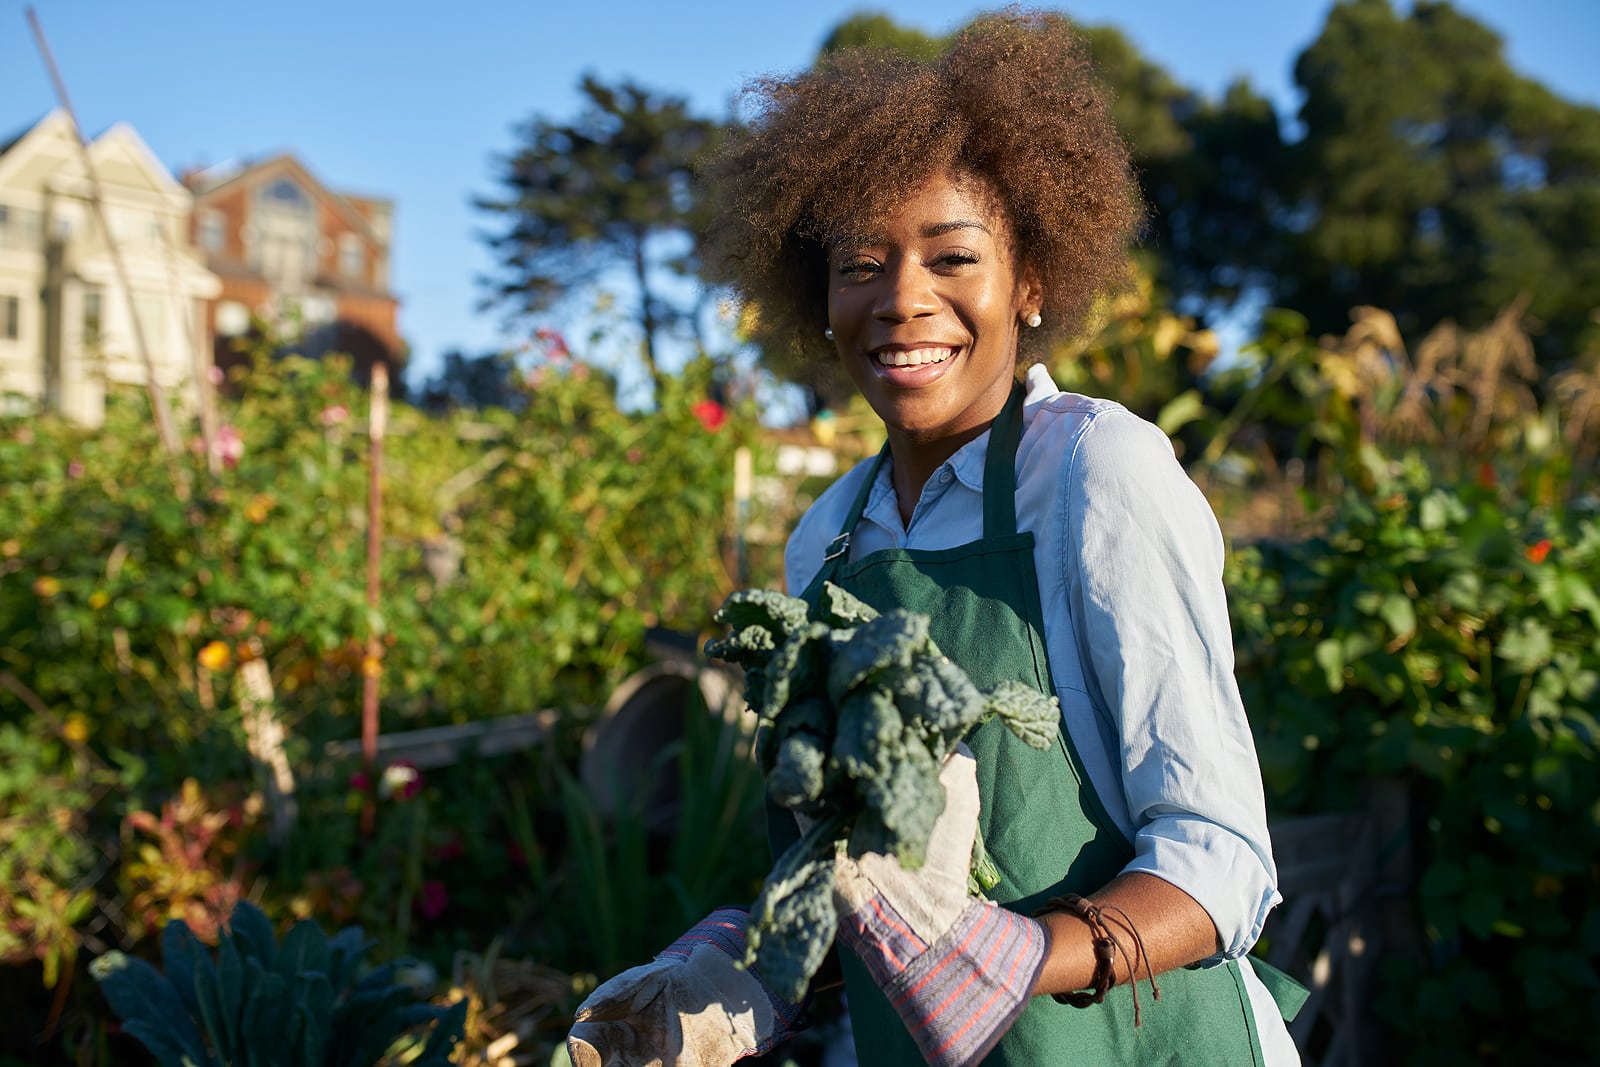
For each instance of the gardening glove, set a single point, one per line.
(958, 969)
(692, 1007)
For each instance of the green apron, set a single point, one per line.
(1042, 822)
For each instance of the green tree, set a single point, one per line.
(872, 29)
(1436, 181)
(613, 189)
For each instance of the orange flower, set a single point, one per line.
(46, 587)
(216, 656)
(1537, 551)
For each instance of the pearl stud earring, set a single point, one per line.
(828, 333)
(1033, 319)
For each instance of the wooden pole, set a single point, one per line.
(158, 400)
(372, 662)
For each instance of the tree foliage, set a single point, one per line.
(612, 189)
(1435, 180)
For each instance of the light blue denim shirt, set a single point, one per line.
(1129, 560)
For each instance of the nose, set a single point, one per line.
(906, 292)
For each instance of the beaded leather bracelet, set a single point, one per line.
(1106, 946)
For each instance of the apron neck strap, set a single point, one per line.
(999, 486)
(1000, 468)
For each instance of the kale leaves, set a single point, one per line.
(857, 713)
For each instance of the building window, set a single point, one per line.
(5, 225)
(10, 318)
(211, 231)
(91, 315)
(285, 195)
(352, 256)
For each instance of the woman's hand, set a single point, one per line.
(959, 970)
(691, 1007)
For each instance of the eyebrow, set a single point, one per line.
(936, 229)
(939, 229)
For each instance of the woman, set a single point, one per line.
(930, 227)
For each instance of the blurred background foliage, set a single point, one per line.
(1373, 341)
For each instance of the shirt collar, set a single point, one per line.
(968, 462)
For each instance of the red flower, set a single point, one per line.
(554, 345)
(432, 899)
(1537, 551)
(1486, 475)
(711, 415)
(359, 782)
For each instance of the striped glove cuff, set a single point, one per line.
(961, 994)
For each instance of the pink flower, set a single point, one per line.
(536, 376)
(334, 414)
(432, 899)
(711, 415)
(75, 469)
(214, 374)
(554, 345)
(580, 372)
(229, 445)
(360, 782)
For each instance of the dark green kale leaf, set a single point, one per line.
(908, 797)
(1028, 713)
(796, 667)
(882, 645)
(868, 730)
(837, 607)
(792, 920)
(797, 777)
(779, 615)
(748, 646)
(938, 696)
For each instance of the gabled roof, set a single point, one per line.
(254, 174)
(119, 141)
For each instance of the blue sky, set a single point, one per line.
(415, 102)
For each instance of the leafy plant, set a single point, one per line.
(1445, 634)
(302, 1003)
(858, 711)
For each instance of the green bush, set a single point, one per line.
(1446, 634)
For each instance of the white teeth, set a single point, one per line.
(916, 357)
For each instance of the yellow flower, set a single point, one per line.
(46, 587)
(99, 599)
(216, 656)
(10, 547)
(371, 666)
(76, 729)
(256, 511)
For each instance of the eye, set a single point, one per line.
(858, 269)
(961, 258)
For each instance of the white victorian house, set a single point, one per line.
(66, 320)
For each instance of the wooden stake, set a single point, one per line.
(371, 666)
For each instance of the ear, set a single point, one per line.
(1030, 292)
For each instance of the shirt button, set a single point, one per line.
(945, 476)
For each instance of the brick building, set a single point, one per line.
(294, 253)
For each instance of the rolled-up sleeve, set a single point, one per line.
(1143, 583)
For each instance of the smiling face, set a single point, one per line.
(925, 311)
